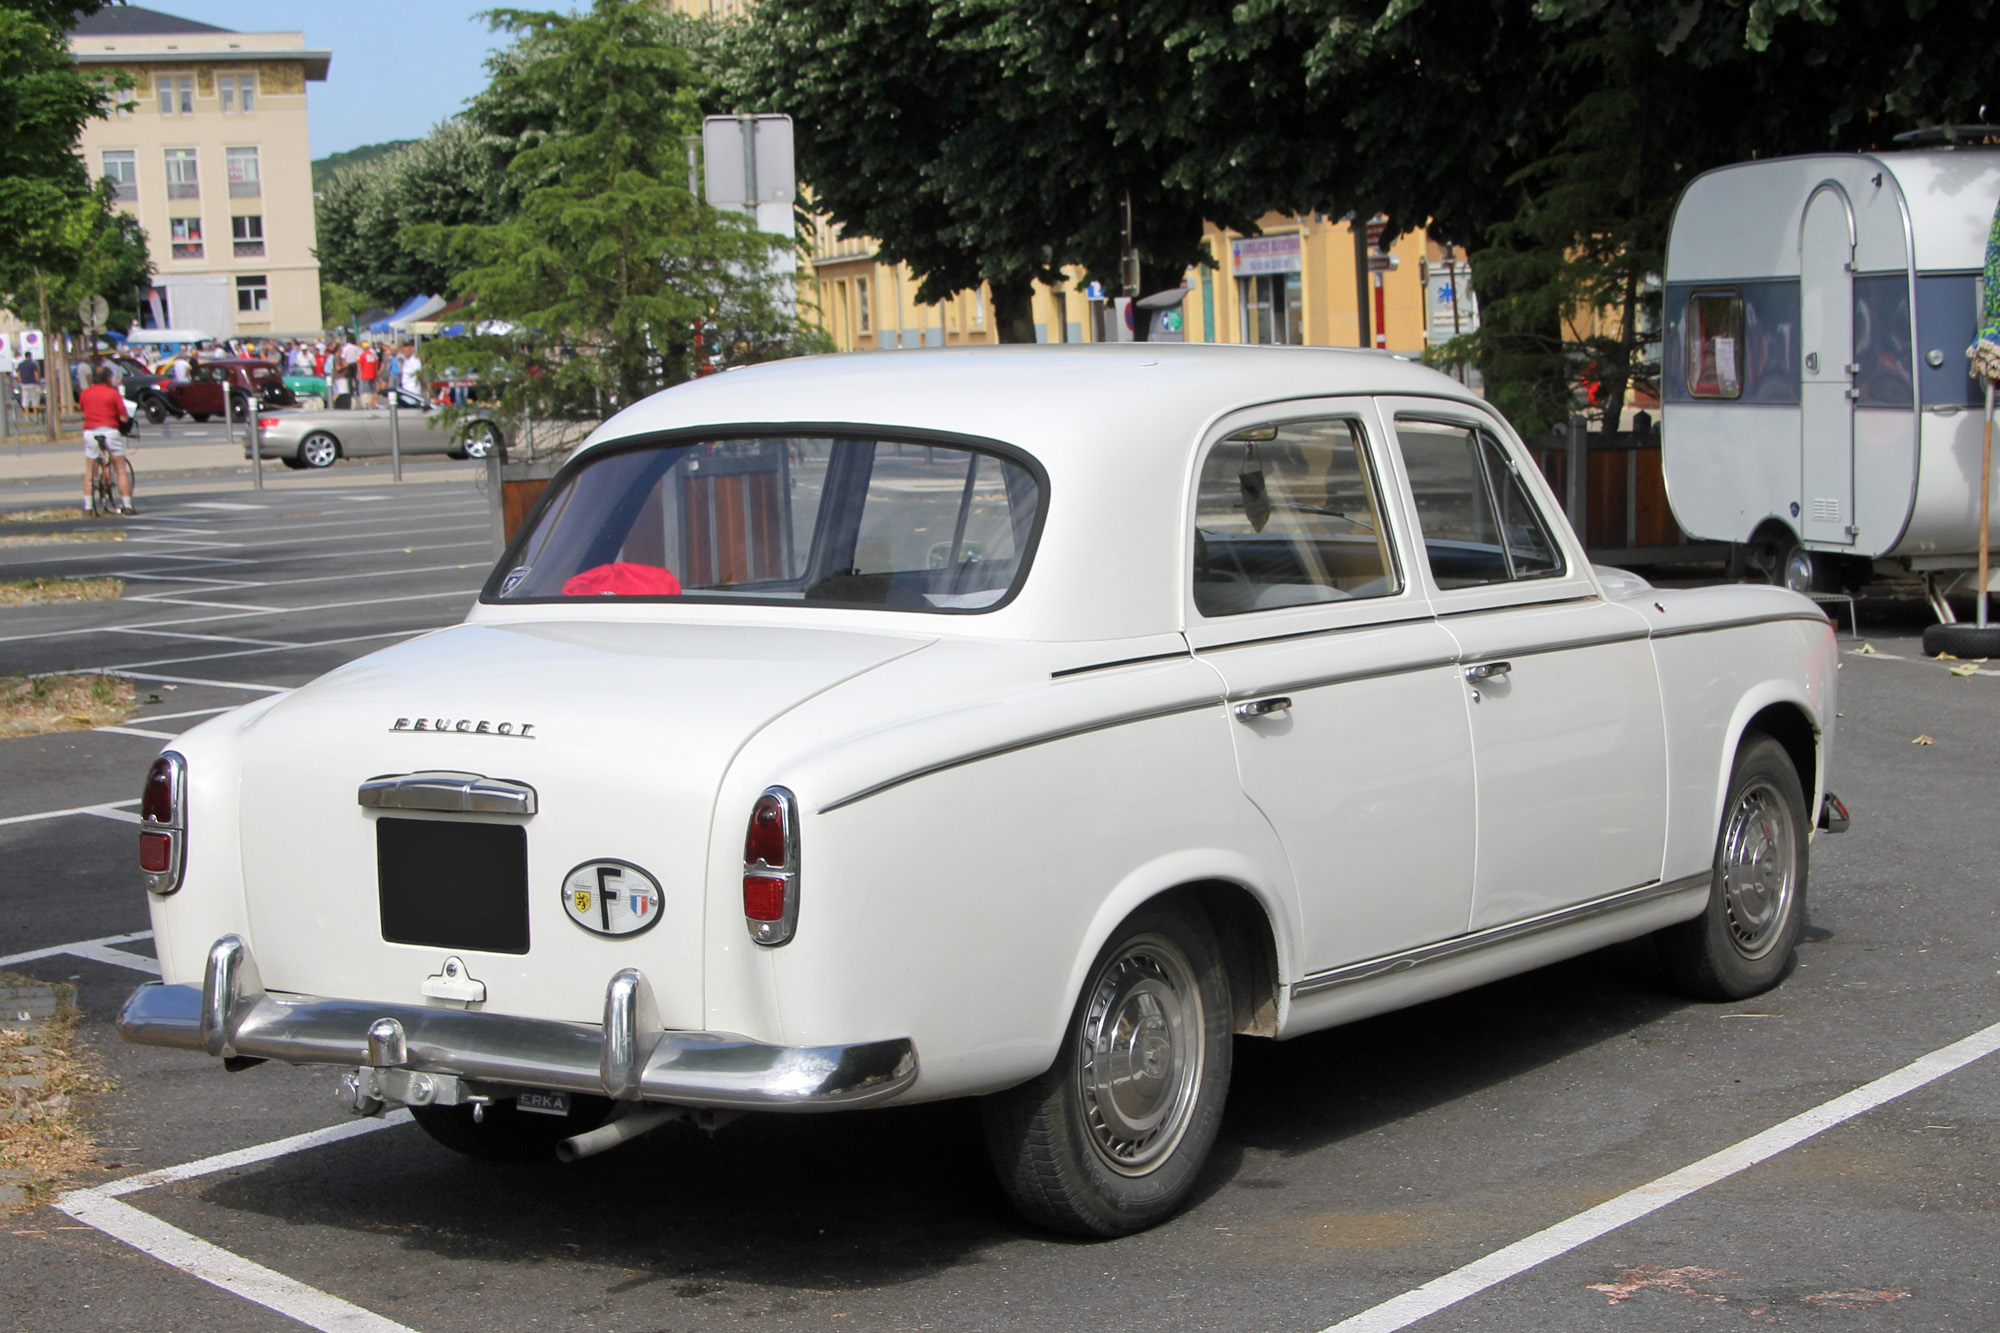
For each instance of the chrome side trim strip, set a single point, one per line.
(1371, 968)
(1638, 635)
(1121, 662)
(1677, 631)
(1517, 606)
(1026, 743)
(447, 792)
(1330, 630)
(1348, 677)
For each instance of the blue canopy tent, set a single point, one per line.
(401, 314)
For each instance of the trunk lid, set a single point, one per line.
(623, 730)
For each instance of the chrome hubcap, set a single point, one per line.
(1140, 1055)
(319, 452)
(1759, 870)
(1799, 570)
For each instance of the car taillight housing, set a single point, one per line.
(771, 868)
(163, 824)
(269, 423)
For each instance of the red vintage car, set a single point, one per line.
(251, 384)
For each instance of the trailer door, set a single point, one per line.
(1826, 318)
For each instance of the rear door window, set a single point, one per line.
(1289, 514)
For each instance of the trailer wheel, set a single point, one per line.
(1970, 641)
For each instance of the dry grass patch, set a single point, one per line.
(66, 538)
(59, 514)
(37, 705)
(42, 1140)
(42, 592)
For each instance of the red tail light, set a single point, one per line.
(268, 423)
(771, 868)
(163, 824)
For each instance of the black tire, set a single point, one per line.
(1745, 939)
(156, 411)
(293, 461)
(199, 416)
(1962, 640)
(508, 1134)
(1055, 1140)
(318, 449)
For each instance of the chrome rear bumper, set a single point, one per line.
(629, 1057)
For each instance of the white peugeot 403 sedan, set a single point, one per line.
(1017, 723)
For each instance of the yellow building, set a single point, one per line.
(1295, 283)
(211, 153)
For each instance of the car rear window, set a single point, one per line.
(912, 525)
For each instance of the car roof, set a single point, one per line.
(1047, 400)
(1114, 426)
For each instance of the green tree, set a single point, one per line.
(452, 176)
(591, 291)
(64, 240)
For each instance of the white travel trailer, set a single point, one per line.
(1816, 400)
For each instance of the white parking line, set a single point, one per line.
(126, 668)
(103, 942)
(212, 684)
(104, 953)
(1475, 1277)
(141, 732)
(109, 810)
(1921, 661)
(102, 1209)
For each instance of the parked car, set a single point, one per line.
(315, 438)
(144, 388)
(1009, 723)
(250, 383)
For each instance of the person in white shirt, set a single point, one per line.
(413, 373)
(183, 367)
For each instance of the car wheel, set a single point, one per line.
(481, 440)
(1742, 943)
(1112, 1138)
(156, 411)
(505, 1133)
(318, 449)
(199, 416)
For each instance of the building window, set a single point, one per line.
(182, 182)
(244, 181)
(253, 295)
(176, 94)
(186, 237)
(1271, 308)
(863, 316)
(978, 307)
(237, 90)
(121, 168)
(247, 231)
(1715, 345)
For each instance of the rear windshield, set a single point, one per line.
(905, 524)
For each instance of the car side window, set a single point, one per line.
(1289, 514)
(1479, 525)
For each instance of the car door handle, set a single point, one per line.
(1488, 670)
(1255, 708)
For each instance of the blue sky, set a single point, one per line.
(398, 68)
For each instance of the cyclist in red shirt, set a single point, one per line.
(103, 443)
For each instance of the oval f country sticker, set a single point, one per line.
(611, 897)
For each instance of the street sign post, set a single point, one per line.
(748, 167)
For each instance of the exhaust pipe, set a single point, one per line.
(625, 1128)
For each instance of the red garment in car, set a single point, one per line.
(102, 406)
(623, 580)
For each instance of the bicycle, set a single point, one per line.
(104, 485)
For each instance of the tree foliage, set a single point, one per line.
(64, 241)
(591, 288)
(452, 176)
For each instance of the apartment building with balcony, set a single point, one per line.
(210, 151)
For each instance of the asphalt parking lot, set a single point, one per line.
(1356, 1166)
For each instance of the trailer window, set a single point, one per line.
(1947, 322)
(1715, 344)
(1882, 355)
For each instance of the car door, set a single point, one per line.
(1567, 732)
(202, 393)
(1350, 725)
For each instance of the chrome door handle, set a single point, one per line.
(1256, 708)
(1488, 670)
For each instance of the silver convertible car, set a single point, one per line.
(1011, 723)
(312, 439)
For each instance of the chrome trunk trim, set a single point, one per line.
(232, 1015)
(448, 793)
(1371, 968)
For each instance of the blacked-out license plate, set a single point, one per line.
(542, 1102)
(452, 885)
